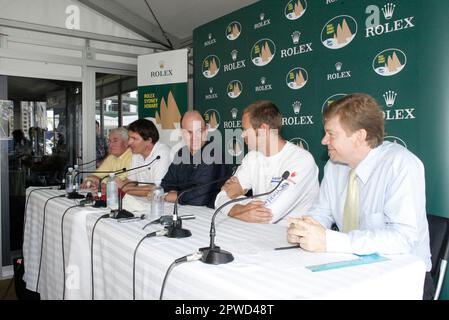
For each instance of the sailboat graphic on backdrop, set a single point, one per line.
(211, 66)
(389, 62)
(263, 52)
(339, 32)
(168, 114)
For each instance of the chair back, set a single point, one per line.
(438, 233)
(439, 248)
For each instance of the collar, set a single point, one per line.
(366, 167)
(125, 154)
(153, 151)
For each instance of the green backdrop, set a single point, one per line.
(301, 54)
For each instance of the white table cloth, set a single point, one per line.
(257, 272)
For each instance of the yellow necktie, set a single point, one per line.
(351, 211)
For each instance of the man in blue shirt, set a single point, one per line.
(373, 190)
(196, 164)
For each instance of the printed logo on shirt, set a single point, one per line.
(275, 179)
(292, 175)
(277, 193)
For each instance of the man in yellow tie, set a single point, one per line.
(373, 190)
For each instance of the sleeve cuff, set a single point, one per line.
(337, 241)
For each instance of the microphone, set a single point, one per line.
(214, 254)
(86, 163)
(175, 229)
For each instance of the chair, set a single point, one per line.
(439, 248)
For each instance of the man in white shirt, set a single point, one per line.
(262, 168)
(374, 191)
(143, 139)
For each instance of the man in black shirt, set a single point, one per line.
(196, 164)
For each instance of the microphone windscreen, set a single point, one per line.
(285, 175)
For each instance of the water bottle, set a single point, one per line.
(111, 192)
(157, 201)
(69, 180)
(76, 182)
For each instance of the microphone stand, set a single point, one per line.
(86, 163)
(214, 254)
(175, 230)
(102, 203)
(122, 213)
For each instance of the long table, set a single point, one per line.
(257, 272)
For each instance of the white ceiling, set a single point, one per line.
(180, 17)
(177, 17)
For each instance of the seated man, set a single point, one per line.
(143, 139)
(262, 168)
(373, 190)
(119, 157)
(195, 164)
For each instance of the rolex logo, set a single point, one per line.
(262, 16)
(295, 37)
(388, 10)
(234, 54)
(211, 90)
(234, 113)
(263, 80)
(161, 64)
(209, 36)
(338, 66)
(390, 98)
(297, 107)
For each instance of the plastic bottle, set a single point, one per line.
(157, 201)
(69, 180)
(76, 182)
(111, 192)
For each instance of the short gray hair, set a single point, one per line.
(122, 131)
